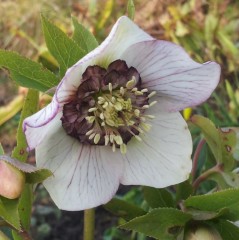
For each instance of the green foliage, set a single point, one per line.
(217, 201)
(9, 212)
(158, 197)
(220, 142)
(83, 37)
(162, 223)
(124, 209)
(26, 72)
(227, 230)
(65, 50)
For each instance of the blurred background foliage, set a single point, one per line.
(207, 29)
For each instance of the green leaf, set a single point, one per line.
(228, 144)
(9, 212)
(124, 209)
(200, 215)
(211, 135)
(63, 48)
(183, 190)
(158, 197)
(1, 149)
(225, 179)
(216, 201)
(131, 9)
(162, 223)
(38, 176)
(83, 37)
(30, 107)
(227, 230)
(26, 72)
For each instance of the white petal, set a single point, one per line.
(163, 158)
(85, 176)
(123, 34)
(166, 67)
(36, 126)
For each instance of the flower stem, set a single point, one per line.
(205, 175)
(196, 157)
(89, 224)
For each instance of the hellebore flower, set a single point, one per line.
(114, 118)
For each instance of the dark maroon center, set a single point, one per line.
(107, 83)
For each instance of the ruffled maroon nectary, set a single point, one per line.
(107, 107)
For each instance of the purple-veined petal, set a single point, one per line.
(123, 34)
(166, 68)
(163, 157)
(36, 126)
(85, 176)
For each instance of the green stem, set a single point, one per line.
(20, 152)
(205, 175)
(89, 224)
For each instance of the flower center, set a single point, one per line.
(109, 107)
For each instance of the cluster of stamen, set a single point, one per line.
(113, 113)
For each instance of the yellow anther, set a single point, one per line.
(145, 107)
(146, 126)
(110, 122)
(138, 138)
(107, 139)
(105, 105)
(102, 116)
(118, 139)
(113, 99)
(134, 89)
(92, 109)
(136, 112)
(92, 136)
(110, 87)
(144, 90)
(151, 94)
(102, 124)
(97, 138)
(89, 132)
(123, 148)
(138, 93)
(122, 91)
(152, 103)
(112, 138)
(130, 84)
(113, 147)
(90, 119)
(118, 106)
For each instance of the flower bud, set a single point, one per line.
(202, 233)
(12, 180)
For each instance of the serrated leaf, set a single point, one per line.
(158, 197)
(199, 215)
(227, 230)
(83, 37)
(216, 201)
(63, 48)
(131, 9)
(26, 72)
(211, 135)
(9, 212)
(38, 176)
(124, 209)
(33, 174)
(162, 223)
